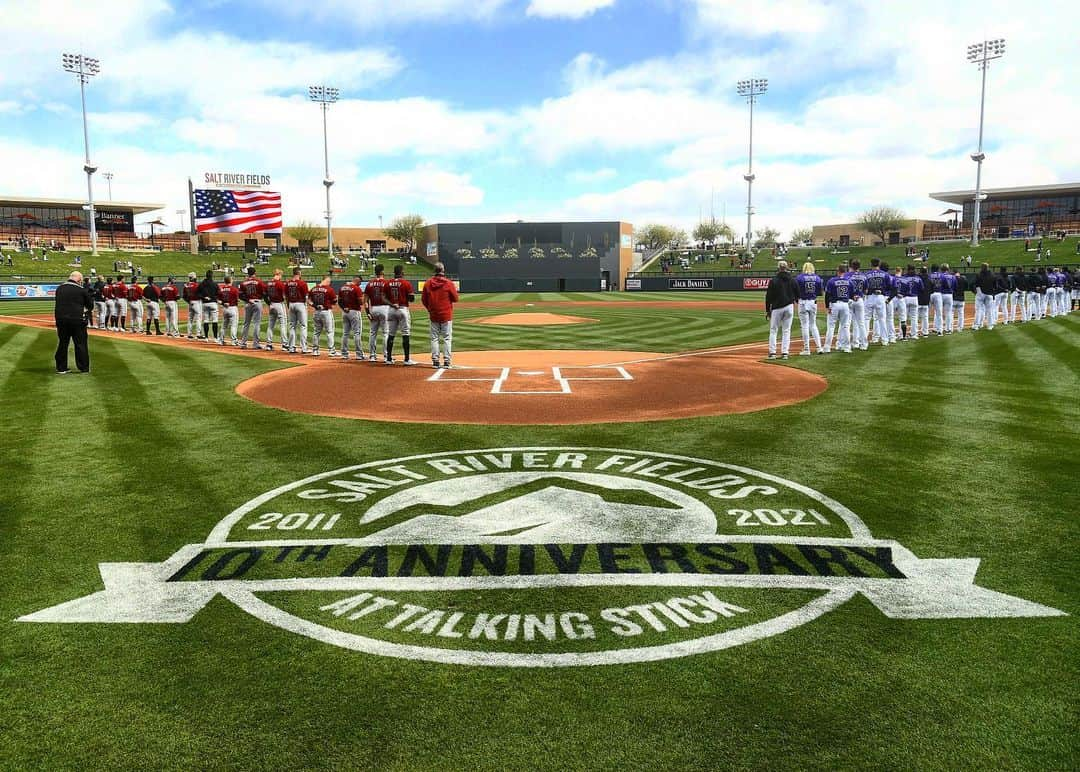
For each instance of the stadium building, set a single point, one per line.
(1016, 212)
(346, 239)
(65, 221)
(852, 234)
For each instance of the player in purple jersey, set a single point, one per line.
(811, 287)
(838, 294)
(878, 285)
(858, 305)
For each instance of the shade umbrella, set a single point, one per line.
(23, 218)
(152, 224)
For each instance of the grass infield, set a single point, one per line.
(957, 447)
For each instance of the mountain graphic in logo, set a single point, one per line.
(524, 507)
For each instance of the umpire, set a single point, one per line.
(73, 306)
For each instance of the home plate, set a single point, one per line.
(530, 372)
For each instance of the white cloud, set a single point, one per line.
(423, 187)
(368, 14)
(591, 176)
(566, 9)
(120, 122)
(765, 17)
(10, 106)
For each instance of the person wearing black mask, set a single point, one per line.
(73, 307)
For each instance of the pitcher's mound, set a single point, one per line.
(532, 320)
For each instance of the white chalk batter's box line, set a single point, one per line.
(557, 375)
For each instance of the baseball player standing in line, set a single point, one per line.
(438, 297)
(959, 300)
(857, 318)
(948, 286)
(101, 308)
(878, 283)
(230, 299)
(252, 291)
(351, 300)
(195, 309)
(937, 290)
(912, 288)
(1001, 294)
(985, 284)
(120, 292)
(898, 307)
(209, 294)
(152, 299)
(296, 292)
(1019, 290)
(811, 287)
(838, 292)
(275, 296)
(322, 298)
(378, 313)
(780, 300)
(399, 292)
(170, 293)
(923, 319)
(109, 294)
(135, 304)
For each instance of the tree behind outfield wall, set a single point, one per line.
(799, 235)
(655, 235)
(765, 237)
(408, 229)
(711, 231)
(880, 220)
(305, 230)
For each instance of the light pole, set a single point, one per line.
(85, 68)
(981, 54)
(751, 89)
(181, 213)
(108, 178)
(325, 96)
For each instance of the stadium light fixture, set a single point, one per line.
(325, 96)
(85, 68)
(981, 54)
(751, 88)
(108, 178)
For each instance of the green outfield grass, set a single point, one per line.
(958, 447)
(1008, 252)
(164, 264)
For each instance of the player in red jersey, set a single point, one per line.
(322, 298)
(135, 305)
(275, 296)
(351, 300)
(438, 297)
(252, 292)
(120, 295)
(378, 313)
(399, 291)
(170, 293)
(230, 299)
(110, 304)
(194, 313)
(296, 292)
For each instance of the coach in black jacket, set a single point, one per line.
(73, 306)
(780, 300)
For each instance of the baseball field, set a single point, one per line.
(622, 542)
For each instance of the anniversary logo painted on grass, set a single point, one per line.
(540, 557)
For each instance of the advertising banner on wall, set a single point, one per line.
(756, 284)
(690, 284)
(633, 284)
(27, 291)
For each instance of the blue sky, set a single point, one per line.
(540, 109)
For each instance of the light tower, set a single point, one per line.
(108, 179)
(85, 68)
(751, 89)
(981, 54)
(325, 96)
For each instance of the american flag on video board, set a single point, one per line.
(237, 211)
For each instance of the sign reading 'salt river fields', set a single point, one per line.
(540, 557)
